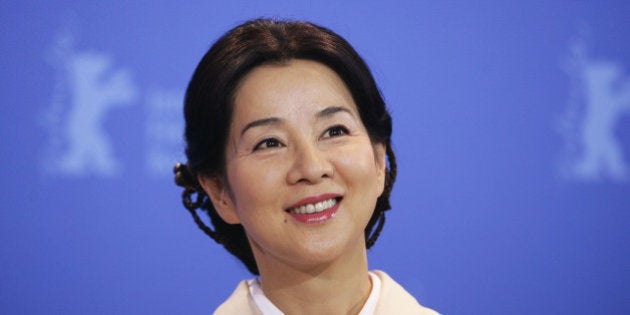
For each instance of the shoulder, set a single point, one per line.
(239, 302)
(394, 299)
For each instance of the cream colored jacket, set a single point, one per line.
(393, 300)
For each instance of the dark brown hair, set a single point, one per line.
(209, 101)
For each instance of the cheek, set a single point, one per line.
(254, 186)
(359, 166)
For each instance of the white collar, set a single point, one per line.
(267, 308)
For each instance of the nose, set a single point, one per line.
(310, 165)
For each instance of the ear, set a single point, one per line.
(381, 165)
(216, 189)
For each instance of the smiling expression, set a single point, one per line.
(302, 174)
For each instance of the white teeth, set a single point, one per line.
(316, 207)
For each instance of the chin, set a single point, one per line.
(322, 254)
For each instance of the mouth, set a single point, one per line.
(314, 207)
(315, 210)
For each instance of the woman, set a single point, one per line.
(288, 146)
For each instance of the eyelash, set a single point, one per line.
(269, 142)
(332, 132)
(338, 129)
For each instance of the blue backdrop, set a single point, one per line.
(512, 129)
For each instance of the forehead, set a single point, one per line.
(299, 85)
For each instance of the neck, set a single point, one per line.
(338, 287)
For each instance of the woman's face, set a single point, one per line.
(302, 174)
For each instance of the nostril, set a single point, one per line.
(309, 164)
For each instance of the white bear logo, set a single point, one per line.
(604, 98)
(94, 87)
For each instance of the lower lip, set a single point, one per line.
(319, 217)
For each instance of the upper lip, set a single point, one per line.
(314, 199)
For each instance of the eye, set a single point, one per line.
(267, 144)
(335, 131)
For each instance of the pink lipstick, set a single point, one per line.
(317, 209)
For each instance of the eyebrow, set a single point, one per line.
(325, 113)
(330, 111)
(261, 122)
